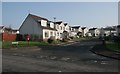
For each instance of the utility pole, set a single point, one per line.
(54, 21)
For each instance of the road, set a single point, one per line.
(66, 58)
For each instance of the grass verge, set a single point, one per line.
(113, 46)
(8, 44)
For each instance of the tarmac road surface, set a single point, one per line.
(67, 58)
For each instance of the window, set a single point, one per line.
(51, 33)
(61, 27)
(58, 34)
(61, 35)
(46, 34)
(57, 26)
(55, 33)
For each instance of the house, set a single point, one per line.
(8, 30)
(84, 31)
(108, 31)
(38, 27)
(66, 32)
(76, 31)
(95, 32)
(2, 29)
(118, 30)
(60, 27)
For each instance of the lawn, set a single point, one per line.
(113, 46)
(8, 44)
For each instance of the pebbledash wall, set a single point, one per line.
(8, 37)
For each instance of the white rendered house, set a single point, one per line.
(38, 26)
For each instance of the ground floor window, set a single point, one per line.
(46, 34)
(61, 35)
(51, 33)
(58, 34)
(55, 33)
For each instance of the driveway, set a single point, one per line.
(67, 58)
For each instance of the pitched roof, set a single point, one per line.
(37, 18)
(83, 28)
(65, 24)
(48, 28)
(109, 28)
(58, 22)
(75, 26)
(92, 28)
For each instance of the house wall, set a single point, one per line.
(97, 32)
(67, 28)
(92, 32)
(30, 26)
(73, 34)
(84, 32)
(50, 33)
(60, 28)
(1, 31)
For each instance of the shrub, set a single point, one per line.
(64, 40)
(116, 39)
(51, 39)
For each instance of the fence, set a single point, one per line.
(8, 37)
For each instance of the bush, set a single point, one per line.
(51, 39)
(116, 39)
(107, 38)
(64, 40)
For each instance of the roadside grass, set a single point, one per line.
(113, 46)
(8, 44)
(56, 42)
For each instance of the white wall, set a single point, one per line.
(97, 32)
(67, 28)
(59, 30)
(85, 31)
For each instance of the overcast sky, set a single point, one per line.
(89, 14)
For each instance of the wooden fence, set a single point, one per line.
(8, 37)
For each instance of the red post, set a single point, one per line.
(28, 39)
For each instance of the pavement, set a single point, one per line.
(74, 57)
